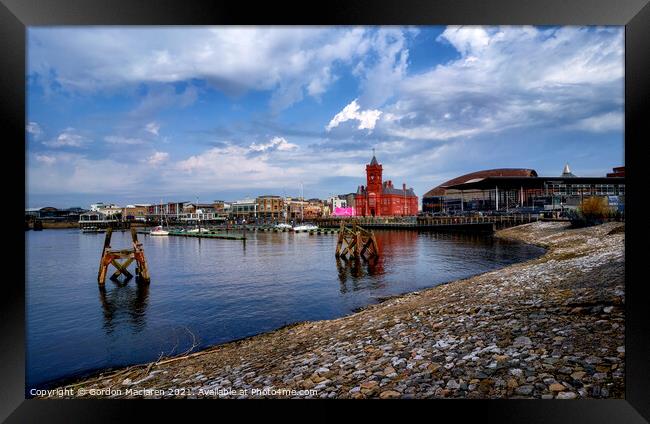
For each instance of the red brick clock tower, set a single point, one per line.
(379, 198)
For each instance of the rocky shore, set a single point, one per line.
(552, 327)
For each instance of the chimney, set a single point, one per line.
(404, 186)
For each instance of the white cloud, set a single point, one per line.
(467, 39)
(290, 61)
(34, 128)
(157, 158)
(46, 159)
(512, 77)
(114, 139)
(68, 138)
(382, 70)
(366, 118)
(152, 127)
(611, 121)
(276, 143)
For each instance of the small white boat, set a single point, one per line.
(158, 231)
(92, 230)
(198, 230)
(305, 227)
(283, 226)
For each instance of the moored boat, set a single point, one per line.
(158, 231)
(92, 230)
(305, 227)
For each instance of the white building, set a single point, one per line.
(337, 202)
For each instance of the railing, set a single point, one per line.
(415, 222)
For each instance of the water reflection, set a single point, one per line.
(202, 289)
(355, 269)
(124, 303)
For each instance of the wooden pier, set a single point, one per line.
(444, 223)
(209, 235)
(356, 242)
(113, 257)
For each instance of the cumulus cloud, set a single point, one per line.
(501, 78)
(68, 138)
(34, 129)
(290, 61)
(366, 118)
(276, 143)
(512, 77)
(385, 65)
(46, 159)
(157, 158)
(152, 128)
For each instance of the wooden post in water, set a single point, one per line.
(112, 257)
(356, 242)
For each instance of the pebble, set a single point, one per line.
(566, 395)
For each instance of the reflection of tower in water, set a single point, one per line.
(124, 303)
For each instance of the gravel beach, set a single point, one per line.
(552, 327)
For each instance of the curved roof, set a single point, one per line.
(501, 172)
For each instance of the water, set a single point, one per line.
(206, 291)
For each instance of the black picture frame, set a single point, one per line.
(17, 15)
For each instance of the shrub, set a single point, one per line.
(592, 211)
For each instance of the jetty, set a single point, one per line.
(211, 234)
(480, 224)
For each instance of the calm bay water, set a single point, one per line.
(206, 291)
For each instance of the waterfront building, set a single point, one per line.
(349, 200)
(219, 207)
(97, 219)
(295, 207)
(270, 207)
(315, 208)
(134, 213)
(112, 210)
(52, 214)
(521, 189)
(96, 206)
(381, 198)
(617, 172)
(195, 213)
(170, 210)
(244, 209)
(337, 202)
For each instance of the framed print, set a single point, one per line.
(404, 201)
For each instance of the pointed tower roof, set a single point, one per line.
(567, 171)
(374, 159)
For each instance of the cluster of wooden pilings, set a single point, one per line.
(127, 256)
(356, 242)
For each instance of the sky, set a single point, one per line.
(143, 114)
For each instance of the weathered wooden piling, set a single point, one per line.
(113, 257)
(356, 242)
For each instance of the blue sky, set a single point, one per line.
(139, 114)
